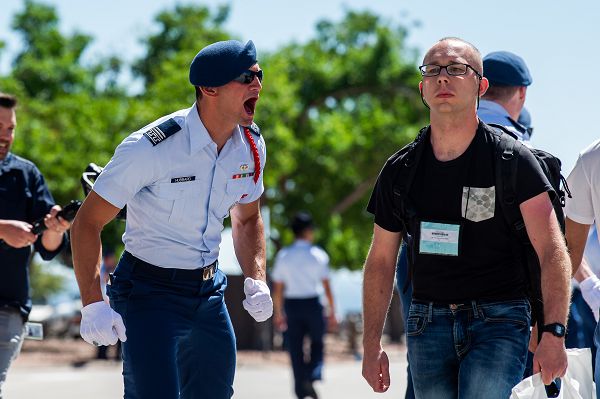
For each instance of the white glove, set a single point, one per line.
(590, 289)
(100, 325)
(258, 300)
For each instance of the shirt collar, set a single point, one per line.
(6, 162)
(487, 107)
(199, 136)
(491, 106)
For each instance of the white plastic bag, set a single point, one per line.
(576, 384)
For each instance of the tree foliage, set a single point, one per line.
(332, 110)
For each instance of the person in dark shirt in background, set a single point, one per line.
(24, 198)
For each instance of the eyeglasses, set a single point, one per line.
(247, 77)
(429, 70)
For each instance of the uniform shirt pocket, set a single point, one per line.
(234, 191)
(478, 203)
(178, 198)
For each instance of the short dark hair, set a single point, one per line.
(500, 93)
(302, 221)
(8, 101)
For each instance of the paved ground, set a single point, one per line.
(265, 376)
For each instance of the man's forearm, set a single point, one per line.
(555, 278)
(249, 245)
(86, 247)
(378, 283)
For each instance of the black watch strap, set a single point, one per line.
(556, 329)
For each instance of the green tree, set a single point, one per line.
(333, 110)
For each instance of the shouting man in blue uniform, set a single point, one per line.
(24, 198)
(180, 177)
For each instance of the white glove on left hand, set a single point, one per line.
(258, 300)
(100, 325)
(590, 290)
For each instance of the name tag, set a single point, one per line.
(183, 179)
(439, 238)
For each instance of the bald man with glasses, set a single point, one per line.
(468, 322)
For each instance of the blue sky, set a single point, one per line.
(558, 40)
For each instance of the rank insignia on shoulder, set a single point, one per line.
(161, 132)
(254, 129)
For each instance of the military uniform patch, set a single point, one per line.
(161, 132)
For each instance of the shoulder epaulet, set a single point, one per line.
(254, 129)
(161, 132)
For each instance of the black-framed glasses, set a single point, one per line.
(456, 69)
(248, 76)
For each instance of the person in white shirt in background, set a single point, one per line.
(582, 211)
(300, 271)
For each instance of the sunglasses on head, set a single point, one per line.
(247, 77)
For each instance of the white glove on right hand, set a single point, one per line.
(590, 289)
(258, 300)
(100, 325)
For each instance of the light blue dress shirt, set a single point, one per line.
(179, 191)
(301, 267)
(492, 112)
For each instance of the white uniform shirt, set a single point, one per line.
(179, 191)
(301, 267)
(584, 182)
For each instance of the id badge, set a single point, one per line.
(34, 331)
(439, 238)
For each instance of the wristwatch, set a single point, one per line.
(556, 329)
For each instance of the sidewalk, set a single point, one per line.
(266, 376)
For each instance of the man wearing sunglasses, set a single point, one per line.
(180, 177)
(468, 323)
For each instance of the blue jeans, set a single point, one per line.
(305, 318)
(11, 338)
(180, 341)
(405, 298)
(467, 351)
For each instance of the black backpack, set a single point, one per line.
(506, 169)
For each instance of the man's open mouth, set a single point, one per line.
(250, 105)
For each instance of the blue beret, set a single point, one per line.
(524, 118)
(502, 68)
(219, 63)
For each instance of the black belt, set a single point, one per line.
(138, 265)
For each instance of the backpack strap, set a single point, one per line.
(405, 212)
(506, 164)
(507, 169)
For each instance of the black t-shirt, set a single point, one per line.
(462, 192)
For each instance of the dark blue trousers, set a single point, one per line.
(180, 341)
(305, 318)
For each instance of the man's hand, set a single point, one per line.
(280, 322)
(17, 234)
(258, 300)
(376, 369)
(100, 325)
(550, 358)
(590, 289)
(56, 224)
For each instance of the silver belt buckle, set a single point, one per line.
(208, 272)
